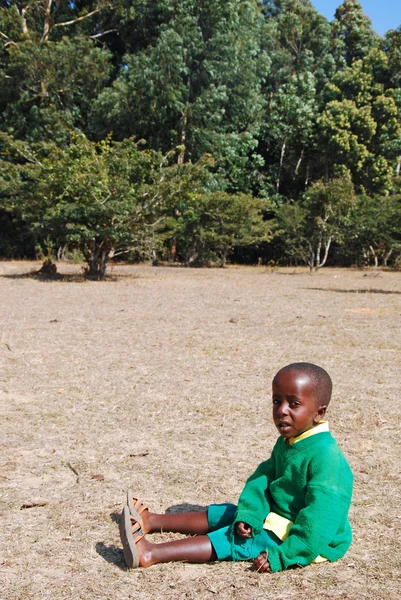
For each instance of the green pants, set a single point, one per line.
(231, 547)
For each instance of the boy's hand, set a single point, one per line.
(261, 564)
(243, 530)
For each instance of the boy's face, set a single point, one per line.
(295, 407)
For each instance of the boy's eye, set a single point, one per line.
(294, 404)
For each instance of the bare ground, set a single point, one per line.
(159, 379)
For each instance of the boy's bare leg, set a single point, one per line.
(196, 549)
(194, 523)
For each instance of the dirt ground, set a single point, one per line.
(159, 379)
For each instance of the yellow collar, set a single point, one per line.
(322, 426)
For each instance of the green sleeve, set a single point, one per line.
(253, 506)
(321, 528)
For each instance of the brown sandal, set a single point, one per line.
(130, 536)
(136, 508)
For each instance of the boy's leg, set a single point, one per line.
(138, 551)
(195, 523)
(196, 549)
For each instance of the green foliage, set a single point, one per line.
(291, 221)
(307, 230)
(100, 198)
(374, 230)
(328, 207)
(48, 88)
(361, 123)
(198, 109)
(196, 85)
(392, 44)
(297, 40)
(207, 227)
(351, 34)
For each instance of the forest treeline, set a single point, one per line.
(199, 131)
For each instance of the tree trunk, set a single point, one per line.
(319, 247)
(224, 258)
(326, 253)
(299, 162)
(311, 260)
(24, 24)
(386, 257)
(173, 250)
(307, 175)
(61, 253)
(43, 90)
(181, 156)
(282, 153)
(47, 22)
(398, 169)
(97, 260)
(374, 256)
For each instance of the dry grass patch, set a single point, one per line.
(159, 379)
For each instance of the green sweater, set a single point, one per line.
(309, 483)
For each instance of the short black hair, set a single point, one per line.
(320, 378)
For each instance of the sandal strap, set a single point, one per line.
(137, 531)
(140, 507)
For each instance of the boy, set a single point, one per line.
(294, 508)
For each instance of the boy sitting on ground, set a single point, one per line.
(294, 508)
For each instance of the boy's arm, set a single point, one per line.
(253, 506)
(328, 498)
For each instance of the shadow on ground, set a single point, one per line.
(362, 291)
(73, 277)
(70, 277)
(184, 508)
(111, 554)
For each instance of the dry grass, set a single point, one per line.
(159, 379)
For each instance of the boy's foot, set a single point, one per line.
(130, 535)
(137, 509)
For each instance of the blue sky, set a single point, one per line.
(384, 14)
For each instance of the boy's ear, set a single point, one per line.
(321, 411)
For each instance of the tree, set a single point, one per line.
(290, 238)
(392, 46)
(374, 230)
(360, 126)
(195, 86)
(48, 80)
(307, 229)
(327, 207)
(297, 40)
(15, 164)
(347, 131)
(291, 120)
(352, 36)
(45, 18)
(209, 226)
(101, 198)
(198, 106)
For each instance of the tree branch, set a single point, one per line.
(130, 249)
(65, 23)
(98, 35)
(30, 159)
(8, 41)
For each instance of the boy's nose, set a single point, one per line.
(282, 409)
